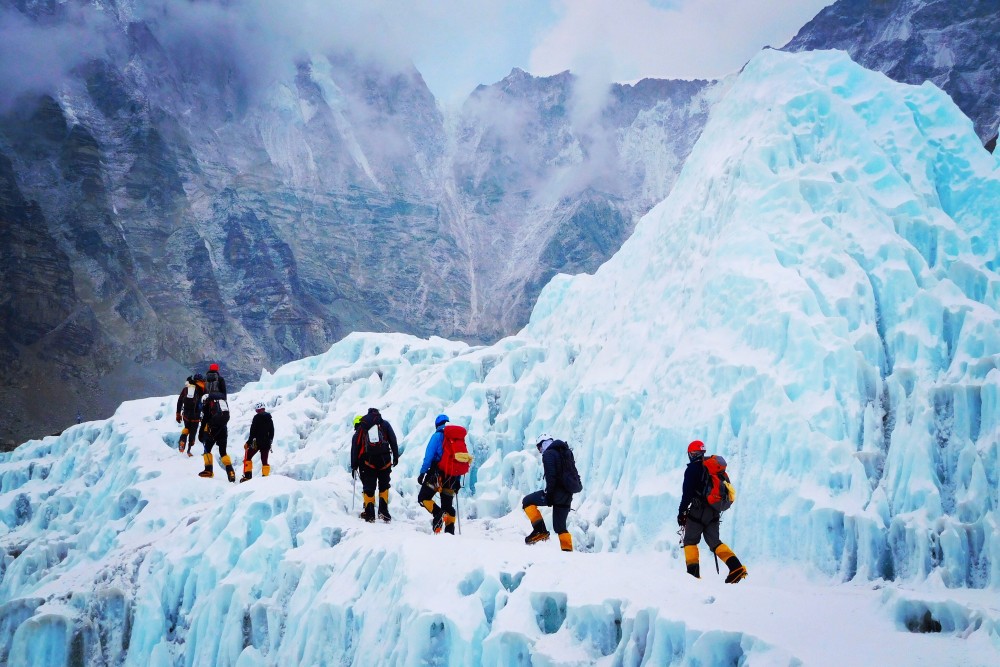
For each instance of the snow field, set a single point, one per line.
(279, 571)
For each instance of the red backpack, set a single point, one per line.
(719, 493)
(455, 458)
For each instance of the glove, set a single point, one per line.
(420, 478)
(682, 519)
(178, 418)
(395, 461)
(354, 473)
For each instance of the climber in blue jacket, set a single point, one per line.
(433, 481)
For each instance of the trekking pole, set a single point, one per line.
(458, 515)
(716, 562)
(354, 491)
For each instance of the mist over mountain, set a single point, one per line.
(186, 182)
(247, 182)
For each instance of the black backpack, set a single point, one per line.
(192, 401)
(213, 383)
(374, 444)
(568, 474)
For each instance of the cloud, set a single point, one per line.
(262, 41)
(37, 56)
(685, 39)
(456, 44)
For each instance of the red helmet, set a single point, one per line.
(696, 449)
(214, 367)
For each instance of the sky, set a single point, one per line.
(455, 44)
(458, 44)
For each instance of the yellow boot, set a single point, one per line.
(247, 470)
(383, 506)
(437, 515)
(207, 472)
(265, 471)
(691, 558)
(565, 541)
(538, 530)
(230, 473)
(737, 572)
(369, 512)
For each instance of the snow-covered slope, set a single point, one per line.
(817, 300)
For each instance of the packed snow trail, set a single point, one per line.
(817, 300)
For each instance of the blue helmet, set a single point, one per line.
(441, 419)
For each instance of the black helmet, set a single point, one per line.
(198, 377)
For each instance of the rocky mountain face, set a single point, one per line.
(161, 208)
(955, 45)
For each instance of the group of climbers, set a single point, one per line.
(203, 408)
(706, 493)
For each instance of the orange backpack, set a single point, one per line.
(719, 493)
(455, 458)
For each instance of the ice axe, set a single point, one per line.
(354, 488)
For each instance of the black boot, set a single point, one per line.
(369, 513)
(737, 572)
(383, 511)
(437, 520)
(247, 468)
(538, 533)
(230, 472)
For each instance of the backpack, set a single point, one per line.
(568, 474)
(718, 491)
(213, 383)
(455, 458)
(192, 402)
(374, 444)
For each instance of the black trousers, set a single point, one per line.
(559, 512)
(219, 437)
(437, 482)
(264, 451)
(702, 521)
(372, 477)
(192, 432)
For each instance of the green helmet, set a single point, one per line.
(357, 420)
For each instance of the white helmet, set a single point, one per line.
(542, 439)
(258, 406)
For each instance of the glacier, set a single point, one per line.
(818, 300)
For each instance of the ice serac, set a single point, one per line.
(817, 300)
(952, 44)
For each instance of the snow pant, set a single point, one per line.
(532, 502)
(370, 478)
(703, 521)
(437, 482)
(218, 437)
(189, 433)
(249, 450)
